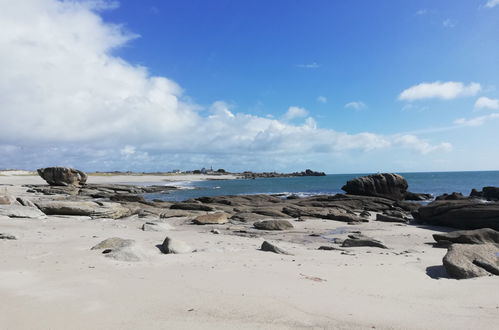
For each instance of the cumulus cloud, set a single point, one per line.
(492, 3)
(487, 103)
(439, 90)
(295, 112)
(423, 146)
(356, 105)
(66, 99)
(321, 99)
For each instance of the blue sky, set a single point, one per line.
(339, 86)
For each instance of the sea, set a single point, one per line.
(435, 183)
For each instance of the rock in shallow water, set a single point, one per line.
(273, 225)
(387, 185)
(472, 260)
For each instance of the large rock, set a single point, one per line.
(113, 243)
(477, 236)
(62, 176)
(358, 240)
(175, 246)
(386, 185)
(472, 260)
(269, 247)
(17, 211)
(85, 208)
(211, 219)
(461, 214)
(390, 218)
(273, 225)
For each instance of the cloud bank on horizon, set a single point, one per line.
(67, 99)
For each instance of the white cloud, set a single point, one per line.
(439, 90)
(420, 145)
(312, 65)
(449, 23)
(321, 99)
(487, 103)
(422, 12)
(356, 105)
(295, 112)
(477, 121)
(66, 99)
(492, 3)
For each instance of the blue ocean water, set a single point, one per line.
(435, 183)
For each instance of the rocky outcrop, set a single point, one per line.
(358, 240)
(411, 196)
(451, 197)
(472, 260)
(477, 236)
(17, 211)
(390, 218)
(461, 214)
(85, 208)
(488, 193)
(62, 176)
(273, 225)
(211, 219)
(191, 207)
(386, 185)
(269, 247)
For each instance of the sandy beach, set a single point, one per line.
(51, 279)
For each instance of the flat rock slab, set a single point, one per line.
(273, 225)
(191, 207)
(269, 247)
(358, 240)
(113, 243)
(390, 218)
(212, 219)
(7, 236)
(472, 260)
(477, 236)
(86, 208)
(175, 246)
(461, 214)
(16, 211)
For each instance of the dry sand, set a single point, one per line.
(50, 279)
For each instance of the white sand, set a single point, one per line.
(50, 279)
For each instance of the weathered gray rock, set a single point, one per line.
(16, 211)
(269, 247)
(386, 185)
(126, 254)
(248, 217)
(411, 196)
(175, 246)
(211, 219)
(389, 218)
(472, 260)
(477, 236)
(273, 225)
(85, 208)
(461, 214)
(191, 206)
(62, 176)
(7, 236)
(113, 243)
(154, 226)
(25, 202)
(358, 240)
